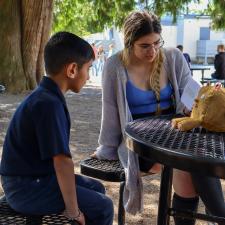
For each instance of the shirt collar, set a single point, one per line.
(50, 85)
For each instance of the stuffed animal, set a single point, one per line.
(208, 111)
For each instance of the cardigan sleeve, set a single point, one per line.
(110, 133)
(183, 72)
(180, 74)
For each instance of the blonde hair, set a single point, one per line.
(136, 25)
(221, 47)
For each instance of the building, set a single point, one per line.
(192, 31)
(195, 34)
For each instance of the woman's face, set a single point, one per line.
(146, 48)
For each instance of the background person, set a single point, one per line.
(101, 59)
(111, 50)
(94, 68)
(186, 55)
(219, 63)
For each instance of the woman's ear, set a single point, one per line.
(72, 70)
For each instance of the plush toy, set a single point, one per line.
(208, 111)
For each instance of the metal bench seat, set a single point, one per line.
(10, 217)
(108, 170)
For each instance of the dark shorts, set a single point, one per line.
(146, 164)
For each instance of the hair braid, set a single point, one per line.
(154, 77)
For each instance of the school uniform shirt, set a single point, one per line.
(39, 130)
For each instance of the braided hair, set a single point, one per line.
(154, 77)
(137, 25)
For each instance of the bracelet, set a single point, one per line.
(76, 217)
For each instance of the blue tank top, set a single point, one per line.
(141, 101)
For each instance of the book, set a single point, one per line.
(190, 93)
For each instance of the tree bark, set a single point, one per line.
(47, 21)
(25, 27)
(11, 69)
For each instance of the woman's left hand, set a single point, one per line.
(186, 112)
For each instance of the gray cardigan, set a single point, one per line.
(116, 113)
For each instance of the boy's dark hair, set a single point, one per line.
(64, 48)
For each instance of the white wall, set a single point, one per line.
(169, 35)
(192, 34)
(217, 35)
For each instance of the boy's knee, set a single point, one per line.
(103, 212)
(107, 207)
(99, 187)
(95, 185)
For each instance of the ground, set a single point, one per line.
(85, 111)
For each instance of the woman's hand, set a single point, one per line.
(186, 112)
(79, 216)
(93, 155)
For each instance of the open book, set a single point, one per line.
(190, 93)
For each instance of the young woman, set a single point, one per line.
(143, 79)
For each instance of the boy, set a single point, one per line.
(36, 167)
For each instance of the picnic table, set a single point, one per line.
(199, 67)
(195, 150)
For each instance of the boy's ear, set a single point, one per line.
(72, 70)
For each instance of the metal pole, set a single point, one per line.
(165, 196)
(206, 63)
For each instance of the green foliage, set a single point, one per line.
(75, 16)
(161, 7)
(84, 17)
(113, 12)
(216, 9)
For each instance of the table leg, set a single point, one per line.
(165, 196)
(203, 74)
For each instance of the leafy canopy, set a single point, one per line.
(86, 17)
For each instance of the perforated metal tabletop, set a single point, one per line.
(197, 149)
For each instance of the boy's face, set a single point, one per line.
(81, 77)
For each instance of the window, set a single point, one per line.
(204, 33)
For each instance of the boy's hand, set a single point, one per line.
(79, 218)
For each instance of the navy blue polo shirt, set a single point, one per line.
(39, 130)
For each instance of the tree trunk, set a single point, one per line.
(11, 69)
(25, 27)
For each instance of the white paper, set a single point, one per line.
(190, 93)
